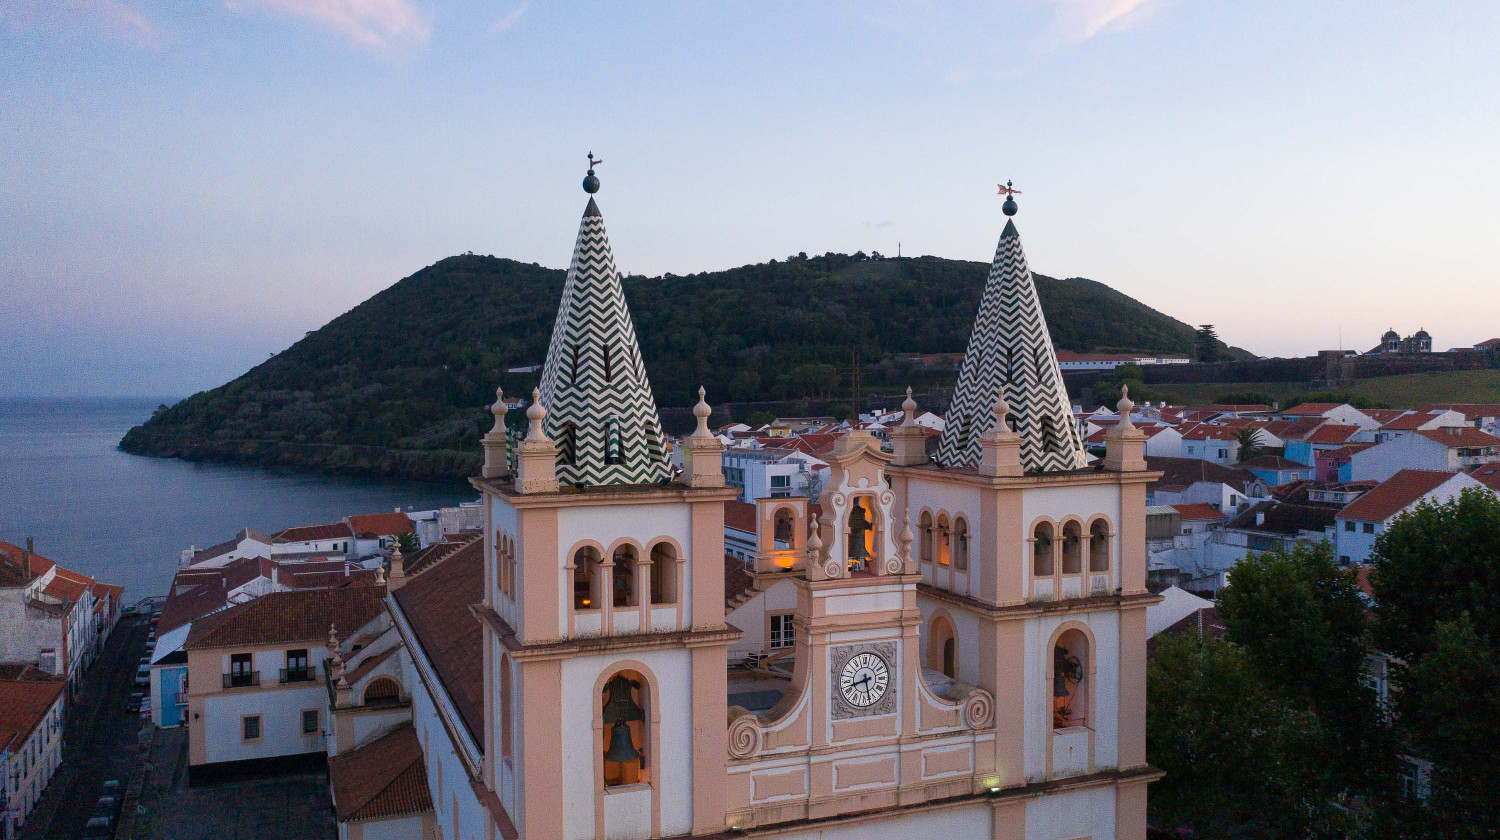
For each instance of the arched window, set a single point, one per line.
(925, 527)
(623, 708)
(1099, 546)
(624, 576)
(942, 648)
(587, 579)
(781, 531)
(1072, 549)
(382, 691)
(1041, 550)
(861, 525)
(1070, 674)
(663, 574)
(614, 445)
(944, 541)
(961, 544)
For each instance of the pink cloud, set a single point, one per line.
(373, 23)
(110, 18)
(1083, 19)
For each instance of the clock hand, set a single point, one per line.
(864, 681)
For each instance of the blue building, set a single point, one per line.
(1276, 471)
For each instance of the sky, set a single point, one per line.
(188, 187)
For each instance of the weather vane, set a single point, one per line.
(1009, 207)
(591, 181)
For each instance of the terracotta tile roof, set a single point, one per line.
(1409, 421)
(1294, 429)
(1204, 431)
(1343, 453)
(186, 602)
(1237, 408)
(1452, 436)
(1331, 433)
(740, 516)
(1310, 409)
(1285, 518)
(278, 617)
(1470, 411)
(1382, 415)
(384, 778)
(419, 561)
(308, 533)
(1488, 475)
(380, 524)
(436, 604)
(65, 590)
(13, 556)
(1184, 472)
(1394, 495)
(1198, 512)
(370, 663)
(23, 704)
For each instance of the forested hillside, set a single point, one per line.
(399, 384)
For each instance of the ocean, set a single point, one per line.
(125, 519)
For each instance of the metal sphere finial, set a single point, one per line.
(590, 181)
(1009, 208)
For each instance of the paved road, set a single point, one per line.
(99, 740)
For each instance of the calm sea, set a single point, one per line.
(126, 519)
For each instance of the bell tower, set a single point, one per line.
(605, 642)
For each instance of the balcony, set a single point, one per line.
(244, 679)
(304, 673)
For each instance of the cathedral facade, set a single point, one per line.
(962, 648)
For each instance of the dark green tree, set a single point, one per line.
(759, 418)
(1241, 760)
(1435, 578)
(1301, 621)
(1206, 343)
(1249, 446)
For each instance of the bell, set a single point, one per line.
(621, 706)
(857, 551)
(621, 746)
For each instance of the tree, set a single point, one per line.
(759, 418)
(745, 385)
(1240, 760)
(1436, 570)
(1301, 621)
(407, 542)
(1206, 343)
(1249, 446)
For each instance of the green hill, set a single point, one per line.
(398, 384)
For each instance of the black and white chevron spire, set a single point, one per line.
(600, 411)
(1010, 349)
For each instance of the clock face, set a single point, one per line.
(864, 680)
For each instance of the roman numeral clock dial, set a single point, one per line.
(864, 680)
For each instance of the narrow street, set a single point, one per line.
(99, 740)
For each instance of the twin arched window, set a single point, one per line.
(588, 577)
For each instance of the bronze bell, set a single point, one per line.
(621, 707)
(621, 745)
(859, 525)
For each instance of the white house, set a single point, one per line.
(1215, 444)
(1445, 449)
(1422, 420)
(1368, 516)
(31, 736)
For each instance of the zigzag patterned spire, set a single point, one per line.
(600, 410)
(1010, 350)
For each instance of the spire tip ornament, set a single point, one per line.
(591, 181)
(1009, 208)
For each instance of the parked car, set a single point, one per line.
(107, 806)
(143, 675)
(99, 828)
(135, 701)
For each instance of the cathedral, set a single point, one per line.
(950, 644)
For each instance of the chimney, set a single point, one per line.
(275, 576)
(1260, 517)
(26, 555)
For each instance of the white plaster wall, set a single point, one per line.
(447, 778)
(1072, 814)
(24, 632)
(1104, 707)
(503, 519)
(1084, 502)
(750, 617)
(369, 726)
(953, 499)
(280, 713)
(966, 632)
(401, 828)
(1407, 452)
(607, 523)
(671, 768)
(973, 822)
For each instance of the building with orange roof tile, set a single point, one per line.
(52, 617)
(1445, 449)
(1362, 521)
(32, 707)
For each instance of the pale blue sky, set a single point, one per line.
(188, 187)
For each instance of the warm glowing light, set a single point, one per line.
(587, 602)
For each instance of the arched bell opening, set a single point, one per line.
(1099, 546)
(782, 528)
(623, 711)
(861, 532)
(1071, 668)
(944, 541)
(925, 527)
(961, 544)
(1041, 550)
(663, 574)
(588, 578)
(942, 647)
(623, 588)
(1072, 549)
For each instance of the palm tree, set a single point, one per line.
(1249, 446)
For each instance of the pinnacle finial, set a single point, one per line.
(906, 536)
(499, 409)
(815, 541)
(909, 406)
(702, 411)
(1124, 407)
(591, 181)
(535, 414)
